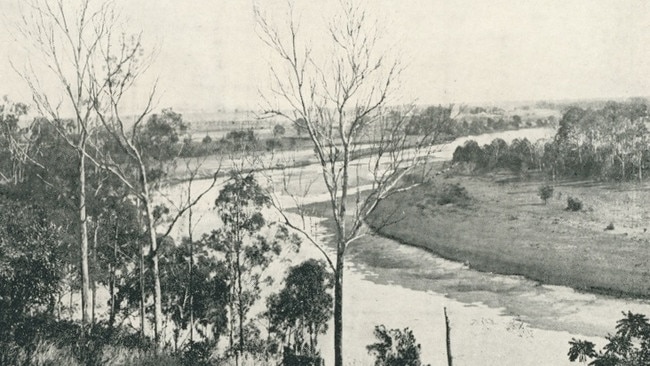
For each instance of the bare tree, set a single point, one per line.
(66, 39)
(341, 101)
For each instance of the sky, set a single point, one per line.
(210, 57)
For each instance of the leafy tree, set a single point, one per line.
(15, 141)
(159, 138)
(117, 235)
(241, 140)
(278, 130)
(31, 262)
(545, 192)
(302, 307)
(470, 152)
(395, 347)
(207, 139)
(248, 244)
(630, 345)
(208, 290)
(432, 120)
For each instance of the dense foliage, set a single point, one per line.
(629, 346)
(609, 143)
(299, 313)
(395, 347)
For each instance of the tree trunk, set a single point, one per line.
(113, 274)
(143, 295)
(83, 238)
(240, 308)
(157, 298)
(338, 310)
(448, 339)
(191, 284)
(94, 288)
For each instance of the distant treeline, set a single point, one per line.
(434, 119)
(609, 143)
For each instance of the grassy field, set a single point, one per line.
(505, 228)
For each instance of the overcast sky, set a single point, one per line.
(456, 51)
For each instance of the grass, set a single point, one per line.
(49, 353)
(507, 229)
(46, 353)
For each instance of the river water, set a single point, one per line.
(495, 319)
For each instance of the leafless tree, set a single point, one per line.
(66, 39)
(342, 100)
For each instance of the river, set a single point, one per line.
(495, 319)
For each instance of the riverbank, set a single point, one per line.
(507, 229)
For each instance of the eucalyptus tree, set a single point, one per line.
(300, 311)
(248, 243)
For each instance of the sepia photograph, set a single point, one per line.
(324, 183)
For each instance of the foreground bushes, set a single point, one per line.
(629, 346)
(45, 352)
(395, 347)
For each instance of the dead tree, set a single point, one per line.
(342, 102)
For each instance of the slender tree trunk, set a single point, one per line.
(338, 310)
(231, 334)
(448, 339)
(70, 309)
(155, 269)
(94, 288)
(143, 295)
(623, 169)
(142, 292)
(83, 236)
(113, 271)
(240, 303)
(191, 284)
(231, 303)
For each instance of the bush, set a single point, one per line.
(395, 347)
(610, 226)
(290, 358)
(545, 192)
(453, 193)
(41, 353)
(630, 345)
(198, 354)
(573, 204)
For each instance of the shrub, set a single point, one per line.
(545, 192)
(630, 345)
(395, 347)
(453, 193)
(198, 354)
(40, 353)
(573, 204)
(207, 139)
(610, 226)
